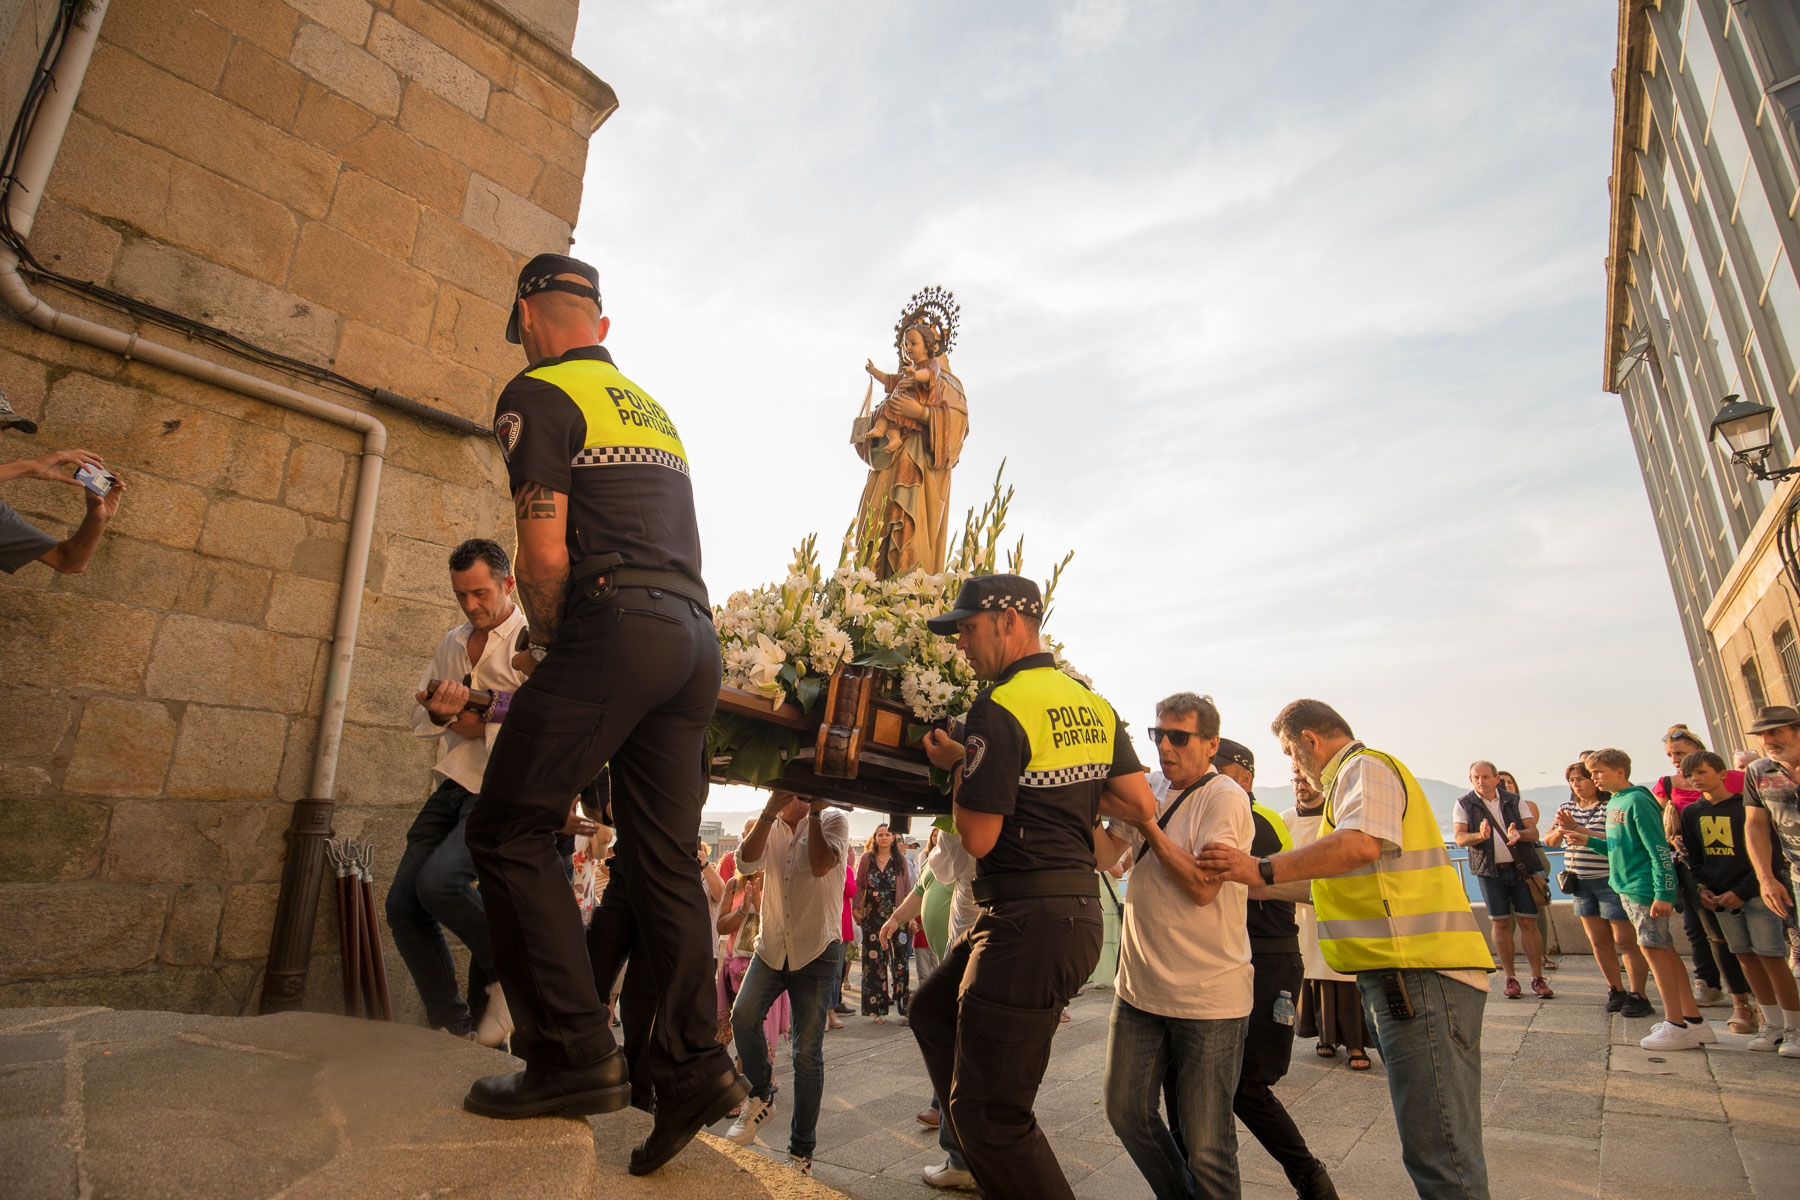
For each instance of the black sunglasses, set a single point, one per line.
(1177, 737)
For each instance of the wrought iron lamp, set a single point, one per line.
(1747, 430)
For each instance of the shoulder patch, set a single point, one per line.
(976, 747)
(506, 431)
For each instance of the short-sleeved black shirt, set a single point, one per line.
(576, 425)
(1045, 828)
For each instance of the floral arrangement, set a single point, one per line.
(782, 641)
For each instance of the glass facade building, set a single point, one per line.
(1703, 301)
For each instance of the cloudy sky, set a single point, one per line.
(1286, 318)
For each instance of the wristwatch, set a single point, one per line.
(1267, 870)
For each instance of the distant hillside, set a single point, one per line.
(1442, 795)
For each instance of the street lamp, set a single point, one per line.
(1747, 431)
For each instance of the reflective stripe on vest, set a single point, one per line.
(1069, 729)
(624, 425)
(1405, 910)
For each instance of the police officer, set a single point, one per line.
(1031, 777)
(609, 575)
(1279, 969)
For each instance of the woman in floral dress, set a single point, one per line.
(882, 881)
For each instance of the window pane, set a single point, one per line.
(1753, 685)
(1783, 307)
(1789, 653)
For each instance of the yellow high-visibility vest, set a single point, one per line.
(1070, 729)
(624, 424)
(1402, 911)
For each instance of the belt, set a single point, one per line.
(1032, 885)
(1285, 944)
(601, 575)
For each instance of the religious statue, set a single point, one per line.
(914, 439)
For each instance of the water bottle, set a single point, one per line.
(1283, 1013)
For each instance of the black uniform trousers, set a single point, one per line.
(631, 681)
(984, 1021)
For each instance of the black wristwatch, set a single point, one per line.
(1267, 870)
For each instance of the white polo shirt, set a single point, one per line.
(1176, 958)
(462, 759)
(801, 913)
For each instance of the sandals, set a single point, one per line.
(1743, 1022)
(1324, 1051)
(1359, 1060)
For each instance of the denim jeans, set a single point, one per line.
(809, 996)
(1206, 1056)
(1433, 1062)
(433, 890)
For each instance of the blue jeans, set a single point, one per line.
(434, 890)
(809, 995)
(1433, 1062)
(1206, 1055)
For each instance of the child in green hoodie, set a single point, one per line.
(1642, 871)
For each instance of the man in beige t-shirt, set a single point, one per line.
(1184, 988)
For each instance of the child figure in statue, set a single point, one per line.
(918, 372)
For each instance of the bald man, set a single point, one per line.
(608, 572)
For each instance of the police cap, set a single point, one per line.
(540, 275)
(1232, 753)
(991, 593)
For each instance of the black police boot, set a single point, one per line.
(677, 1121)
(1314, 1184)
(601, 1087)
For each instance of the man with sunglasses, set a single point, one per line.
(1040, 758)
(1183, 994)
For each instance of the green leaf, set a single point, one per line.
(889, 658)
(788, 675)
(807, 692)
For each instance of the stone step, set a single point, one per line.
(130, 1105)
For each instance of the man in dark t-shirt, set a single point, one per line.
(1040, 757)
(608, 572)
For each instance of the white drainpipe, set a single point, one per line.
(312, 816)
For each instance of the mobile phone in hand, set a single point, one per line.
(95, 480)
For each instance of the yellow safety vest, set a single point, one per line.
(624, 425)
(1402, 911)
(1069, 729)
(1275, 823)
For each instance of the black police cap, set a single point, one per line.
(540, 275)
(991, 593)
(1235, 754)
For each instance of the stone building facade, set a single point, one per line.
(348, 183)
(1703, 304)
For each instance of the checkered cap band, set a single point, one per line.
(1063, 776)
(1031, 608)
(624, 456)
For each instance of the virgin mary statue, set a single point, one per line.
(913, 443)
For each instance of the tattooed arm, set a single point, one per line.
(542, 569)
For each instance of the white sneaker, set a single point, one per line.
(1709, 997)
(1790, 1043)
(1703, 1031)
(1671, 1037)
(948, 1177)
(1767, 1038)
(800, 1163)
(496, 1021)
(756, 1114)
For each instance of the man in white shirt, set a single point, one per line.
(434, 885)
(802, 847)
(1185, 984)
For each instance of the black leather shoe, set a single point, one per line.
(602, 1087)
(677, 1123)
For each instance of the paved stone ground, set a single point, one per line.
(1574, 1109)
(301, 1106)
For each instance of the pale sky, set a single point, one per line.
(1287, 318)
